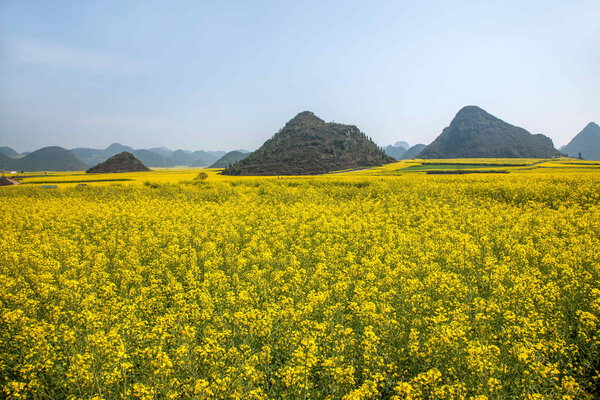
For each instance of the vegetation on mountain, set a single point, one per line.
(473, 133)
(307, 145)
(122, 162)
(586, 144)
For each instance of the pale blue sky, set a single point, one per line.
(228, 74)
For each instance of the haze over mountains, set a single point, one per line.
(402, 150)
(309, 145)
(157, 157)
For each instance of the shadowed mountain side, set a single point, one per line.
(473, 133)
(586, 142)
(122, 162)
(307, 145)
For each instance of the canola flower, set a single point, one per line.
(335, 287)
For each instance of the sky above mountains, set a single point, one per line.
(228, 74)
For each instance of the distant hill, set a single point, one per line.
(162, 151)
(122, 162)
(6, 163)
(473, 133)
(586, 142)
(402, 144)
(148, 157)
(7, 151)
(51, 158)
(156, 157)
(395, 150)
(95, 156)
(229, 159)
(413, 152)
(307, 145)
(200, 163)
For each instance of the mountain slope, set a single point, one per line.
(413, 152)
(586, 142)
(308, 145)
(7, 151)
(122, 162)
(229, 159)
(473, 133)
(151, 158)
(395, 150)
(6, 163)
(51, 158)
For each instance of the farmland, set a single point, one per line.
(376, 283)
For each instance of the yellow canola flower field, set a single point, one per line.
(349, 286)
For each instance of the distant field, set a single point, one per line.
(173, 175)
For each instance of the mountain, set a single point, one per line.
(217, 153)
(229, 159)
(200, 163)
(122, 162)
(208, 156)
(586, 142)
(51, 158)
(151, 158)
(413, 152)
(162, 151)
(395, 151)
(181, 157)
(89, 156)
(95, 156)
(6, 163)
(473, 133)
(7, 151)
(402, 144)
(117, 148)
(307, 145)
